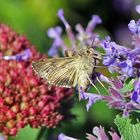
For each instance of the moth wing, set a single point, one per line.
(58, 71)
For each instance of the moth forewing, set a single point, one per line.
(42, 67)
(58, 71)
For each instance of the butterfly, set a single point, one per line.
(75, 69)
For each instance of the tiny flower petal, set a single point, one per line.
(91, 137)
(114, 136)
(137, 84)
(115, 94)
(136, 96)
(61, 16)
(104, 78)
(68, 28)
(117, 83)
(135, 51)
(92, 24)
(53, 51)
(64, 137)
(108, 60)
(25, 55)
(100, 133)
(123, 64)
(132, 26)
(92, 98)
(138, 8)
(136, 93)
(54, 32)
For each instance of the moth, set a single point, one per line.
(75, 69)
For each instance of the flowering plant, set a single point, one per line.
(124, 89)
(26, 99)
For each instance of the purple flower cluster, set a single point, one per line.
(98, 134)
(121, 59)
(124, 60)
(82, 38)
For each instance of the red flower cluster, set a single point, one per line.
(24, 97)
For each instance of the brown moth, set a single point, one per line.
(75, 69)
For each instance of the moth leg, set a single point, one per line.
(100, 82)
(69, 53)
(84, 83)
(93, 84)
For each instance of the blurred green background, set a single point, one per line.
(33, 18)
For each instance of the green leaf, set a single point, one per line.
(26, 133)
(128, 86)
(128, 130)
(97, 111)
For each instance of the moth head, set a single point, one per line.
(87, 51)
(90, 51)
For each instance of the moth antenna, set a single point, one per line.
(101, 83)
(99, 66)
(93, 85)
(102, 54)
(92, 42)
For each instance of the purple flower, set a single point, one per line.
(55, 33)
(86, 36)
(92, 98)
(114, 136)
(127, 67)
(111, 52)
(109, 60)
(117, 58)
(104, 78)
(92, 24)
(116, 83)
(64, 137)
(115, 99)
(136, 93)
(70, 34)
(25, 55)
(100, 134)
(138, 8)
(120, 59)
(2, 137)
(60, 14)
(83, 37)
(123, 100)
(134, 27)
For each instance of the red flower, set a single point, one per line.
(24, 97)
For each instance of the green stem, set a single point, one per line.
(44, 134)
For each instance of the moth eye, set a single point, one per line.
(88, 52)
